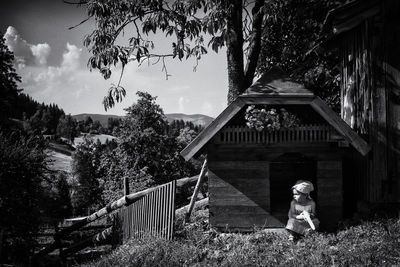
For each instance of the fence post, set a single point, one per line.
(126, 186)
(196, 191)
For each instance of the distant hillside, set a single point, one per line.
(198, 119)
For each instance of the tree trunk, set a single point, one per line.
(238, 78)
(235, 51)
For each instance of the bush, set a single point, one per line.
(22, 169)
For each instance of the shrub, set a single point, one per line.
(22, 169)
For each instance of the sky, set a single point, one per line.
(52, 63)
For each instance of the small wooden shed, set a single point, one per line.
(251, 172)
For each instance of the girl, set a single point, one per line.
(302, 210)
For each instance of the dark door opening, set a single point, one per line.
(284, 172)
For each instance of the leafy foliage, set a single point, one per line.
(291, 31)
(8, 81)
(22, 169)
(86, 195)
(270, 119)
(143, 153)
(57, 202)
(185, 23)
(67, 127)
(265, 33)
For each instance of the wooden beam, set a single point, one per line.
(340, 125)
(199, 205)
(196, 191)
(100, 238)
(301, 99)
(216, 125)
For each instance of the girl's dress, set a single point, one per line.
(300, 226)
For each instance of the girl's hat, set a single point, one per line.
(304, 187)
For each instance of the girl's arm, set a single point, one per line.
(291, 211)
(313, 210)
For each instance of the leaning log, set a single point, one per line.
(196, 190)
(98, 239)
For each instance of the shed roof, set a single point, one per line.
(350, 15)
(276, 82)
(276, 88)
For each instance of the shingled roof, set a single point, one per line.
(276, 88)
(276, 83)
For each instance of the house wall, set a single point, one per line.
(370, 97)
(239, 185)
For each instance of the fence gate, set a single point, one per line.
(153, 214)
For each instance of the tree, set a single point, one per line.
(8, 81)
(22, 174)
(292, 31)
(67, 127)
(57, 203)
(237, 24)
(242, 26)
(86, 190)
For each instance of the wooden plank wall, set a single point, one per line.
(301, 134)
(330, 193)
(153, 214)
(364, 102)
(392, 82)
(239, 195)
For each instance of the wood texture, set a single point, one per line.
(277, 100)
(330, 193)
(239, 195)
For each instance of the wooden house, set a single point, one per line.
(367, 34)
(251, 172)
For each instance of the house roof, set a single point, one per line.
(276, 82)
(350, 15)
(276, 88)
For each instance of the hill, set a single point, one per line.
(102, 118)
(197, 119)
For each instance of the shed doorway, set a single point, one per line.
(284, 172)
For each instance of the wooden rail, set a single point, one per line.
(300, 134)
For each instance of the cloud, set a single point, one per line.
(71, 57)
(207, 108)
(24, 52)
(52, 76)
(181, 106)
(41, 52)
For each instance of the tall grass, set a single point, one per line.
(371, 243)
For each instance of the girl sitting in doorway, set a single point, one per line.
(302, 211)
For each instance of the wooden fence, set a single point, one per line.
(151, 215)
(151, 211)
(300, 134)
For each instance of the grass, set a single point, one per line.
(60, 161)
(373, 243)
